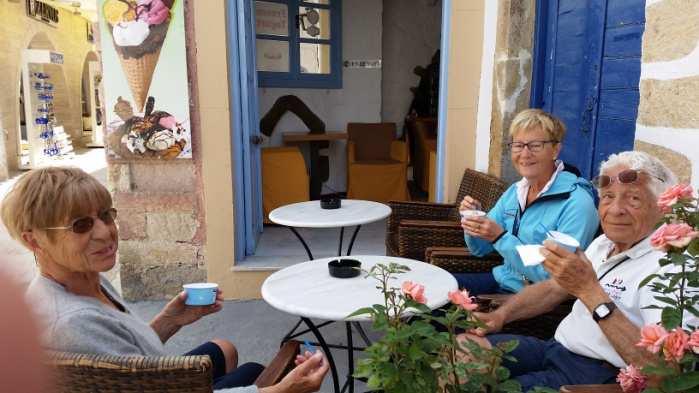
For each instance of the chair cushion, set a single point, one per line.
(372, 140)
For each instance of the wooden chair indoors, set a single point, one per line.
(423, 133)
(284, 178)
(83, 373)
(377, 163)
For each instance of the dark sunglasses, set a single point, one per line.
(85, 224)
(628, 176)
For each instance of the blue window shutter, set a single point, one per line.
(294, 78)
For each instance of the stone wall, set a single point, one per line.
(17, 31)
(511, 77)
(161, 219)
(668, 113)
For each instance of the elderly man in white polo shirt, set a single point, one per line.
(599, 335)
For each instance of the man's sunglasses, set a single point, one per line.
(85, 224)
(628, 176)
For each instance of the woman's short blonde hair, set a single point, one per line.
(50, 197)
(532, 119)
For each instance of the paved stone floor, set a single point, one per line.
(255, 328)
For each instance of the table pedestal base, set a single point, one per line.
(315, 329)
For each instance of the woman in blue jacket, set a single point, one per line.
(547, 198)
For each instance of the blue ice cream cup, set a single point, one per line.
(200, 293)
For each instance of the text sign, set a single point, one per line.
(42, 11)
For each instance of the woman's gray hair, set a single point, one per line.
(661, 176)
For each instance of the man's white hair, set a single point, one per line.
(661, 177)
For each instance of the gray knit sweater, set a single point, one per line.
(82, 324)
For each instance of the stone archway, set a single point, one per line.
(89, 112)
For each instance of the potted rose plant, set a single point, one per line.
(675, 345)
(414, 356)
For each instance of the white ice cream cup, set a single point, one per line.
(566, 241)
(467, 213)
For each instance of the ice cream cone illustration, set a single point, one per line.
(138, 28)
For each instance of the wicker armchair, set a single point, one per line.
(542, 326)
(78, 373)
(608, 388)
(412, 227)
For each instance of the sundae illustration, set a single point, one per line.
(138, 29)
(155, 135)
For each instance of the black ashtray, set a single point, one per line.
(329, 202)
(344, 268)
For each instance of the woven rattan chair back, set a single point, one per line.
(481, 186)
(82, 373)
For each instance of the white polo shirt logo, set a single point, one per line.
(615, 289)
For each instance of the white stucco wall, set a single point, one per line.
(359, 100)
(411, 35)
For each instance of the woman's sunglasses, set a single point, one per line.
(628, 176)
(85, 224)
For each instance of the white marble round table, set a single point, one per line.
(352, 212)
(308, 291)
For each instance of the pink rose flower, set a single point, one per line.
(673, 195)
(631, 379)
(675, 344)
(463, 300)
(652, 337)
(168, 122)
(414, 291)
(672, 235)
(694, 341)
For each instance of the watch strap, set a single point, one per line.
(611, 306)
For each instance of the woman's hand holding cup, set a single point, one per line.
(470, 203)
(481, 226)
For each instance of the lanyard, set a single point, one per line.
(624, 259)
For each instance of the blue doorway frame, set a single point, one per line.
(242, 87)
(244, 120)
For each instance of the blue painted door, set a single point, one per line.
(245, 126)
(587, 65)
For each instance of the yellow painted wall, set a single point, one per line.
(217, 163)
(466, 46)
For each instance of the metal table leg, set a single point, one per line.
(354, 236)
(339, 247)
(326, 351)
(362, 333)
(349, 383)
(298, 236)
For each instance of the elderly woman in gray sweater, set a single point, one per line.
(65, 217)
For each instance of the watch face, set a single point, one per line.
(602, 311)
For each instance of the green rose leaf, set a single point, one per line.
(671, 318)
(681, 382)
(659, 370)
(646, 280)
(693, 248)
(362, 311)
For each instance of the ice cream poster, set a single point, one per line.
(145, 79)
